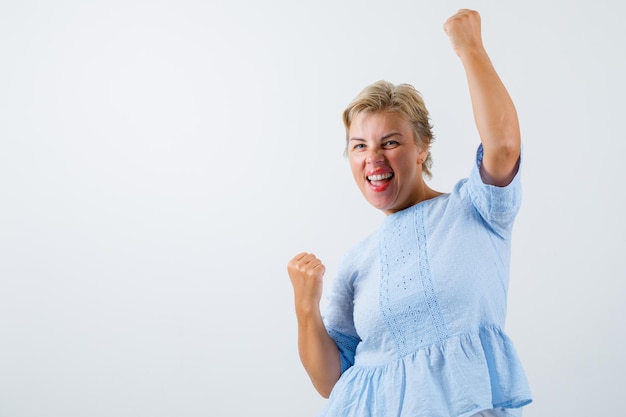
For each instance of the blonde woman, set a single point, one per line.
(414, 321)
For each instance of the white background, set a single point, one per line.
(161, 161)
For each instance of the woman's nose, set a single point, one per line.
(373, 156)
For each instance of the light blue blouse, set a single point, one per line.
(418, 309)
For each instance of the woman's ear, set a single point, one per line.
(422, 155)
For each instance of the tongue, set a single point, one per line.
(378, 183)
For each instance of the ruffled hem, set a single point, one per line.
(459, 377)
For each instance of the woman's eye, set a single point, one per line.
(358, 146)
(390, 144)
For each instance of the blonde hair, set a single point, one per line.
(403, 99)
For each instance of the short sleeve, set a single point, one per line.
(347, 347)
(498, 206)
(338, 317)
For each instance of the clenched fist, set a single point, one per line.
(463, 29)
(306, 273)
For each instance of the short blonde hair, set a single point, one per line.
(403, 99)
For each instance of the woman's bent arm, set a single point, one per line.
(318, 351)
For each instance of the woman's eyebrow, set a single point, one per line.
(389, 135)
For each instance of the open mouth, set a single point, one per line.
(380, 177)
(380, 182)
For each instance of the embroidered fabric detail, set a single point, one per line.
(429, 290)
(407, 294)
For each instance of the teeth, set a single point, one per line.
(380, 177)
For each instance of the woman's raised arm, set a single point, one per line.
(494, 112)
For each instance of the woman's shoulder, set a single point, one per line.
(360, 253)
(364, 244)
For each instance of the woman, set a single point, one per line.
(414, 320)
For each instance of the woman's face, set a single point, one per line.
(385, 160)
